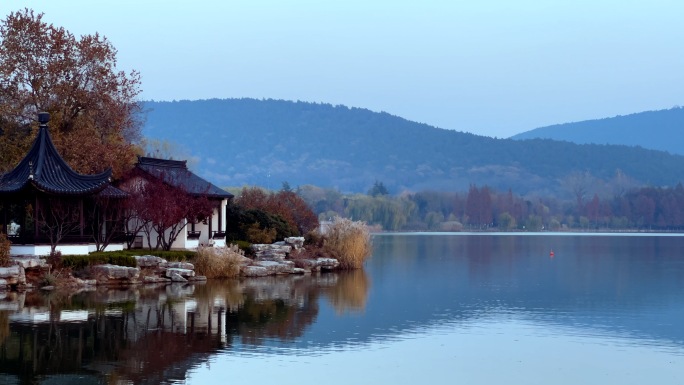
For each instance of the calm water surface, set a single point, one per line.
(435, 308)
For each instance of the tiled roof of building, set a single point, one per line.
(176, 173)
(44, 169)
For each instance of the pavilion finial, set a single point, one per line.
(43, 118)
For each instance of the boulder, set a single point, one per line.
(275, 267)
(271, 255)
(254, 271)
(295, 242)
(176, 277)
(148, 261)
(30, 262)
(181, 272)
(259, 247)
(327, 263)
(155, 279)
(107, 273)
(179, 265)
(10, 271)
(12, 275)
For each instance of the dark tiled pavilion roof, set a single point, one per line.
(176, 173)
(44, 169)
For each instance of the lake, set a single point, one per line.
(428, 308)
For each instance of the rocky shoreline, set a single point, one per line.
(280, 258)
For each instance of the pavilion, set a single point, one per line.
(46, 205)
(175, 173)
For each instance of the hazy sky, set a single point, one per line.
(491, 67)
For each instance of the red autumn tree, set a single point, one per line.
(163, 211)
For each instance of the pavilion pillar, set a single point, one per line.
(220, 217)
(81, 217)
(36, 210)
(211, 221)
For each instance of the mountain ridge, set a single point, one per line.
(267, 142)
(657, 130)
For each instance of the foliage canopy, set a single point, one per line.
(95, 116)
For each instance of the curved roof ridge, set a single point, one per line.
(45, 169)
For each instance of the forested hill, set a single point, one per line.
(658, 130)
(267, 142)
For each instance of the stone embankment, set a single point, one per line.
(284, 258)
(149, 269)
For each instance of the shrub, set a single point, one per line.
(77, 262)
(349, 242)
(246, 247)
(169, 255)
(240, 220)
(258, 235)
(5, 246)
(218, 262)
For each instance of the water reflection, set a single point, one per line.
(462, 296)
(152, 335)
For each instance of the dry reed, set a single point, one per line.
(218, 262)
(349, 242)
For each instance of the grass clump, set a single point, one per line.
(349, 242)
(218, 262)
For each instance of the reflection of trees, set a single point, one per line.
(149, 335)
(4, 326)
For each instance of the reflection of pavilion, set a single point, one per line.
(148, 335)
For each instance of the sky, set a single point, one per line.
(490, 67)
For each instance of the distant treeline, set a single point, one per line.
(483, 208)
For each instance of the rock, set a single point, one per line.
(274, 267)
(254, 271)
(327, 263)
(296, 242)
(48, 288)
(299, 270)
(198, 278)
(271, 255)
(30, 262)
(148, 261)
(180, 265)
(182, 272)
(176, 277)
(244, 261)
(155, 279)
(259, 247)
(13, 275)
(112, 273)
(10, 271)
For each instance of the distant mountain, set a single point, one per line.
(267, 142)
(657, 130)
